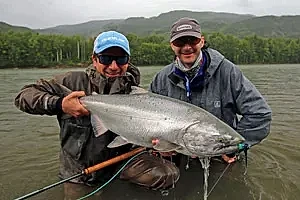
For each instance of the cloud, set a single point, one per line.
(47, 13)
(244, 3)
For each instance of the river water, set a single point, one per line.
(29, 146)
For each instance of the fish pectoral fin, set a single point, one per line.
(166, 146)
(98, 126)
(118, 141)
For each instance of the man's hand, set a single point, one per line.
(229, 159)
(72, 106)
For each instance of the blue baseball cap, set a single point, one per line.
(109, 39)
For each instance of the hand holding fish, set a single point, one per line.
(228, 159)
(72, 106)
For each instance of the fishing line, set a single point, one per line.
(217, 181)
(119, 171)
(88, 170)
(245, 148)
(114, 176)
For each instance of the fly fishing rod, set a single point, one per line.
(87, 171)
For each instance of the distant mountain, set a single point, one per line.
(90, 28)
(267, 26)
(210, 21)
(7, 27)
(228, 23)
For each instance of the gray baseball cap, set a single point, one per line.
(185, 27)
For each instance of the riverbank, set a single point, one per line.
(85, 65)
(57, 66)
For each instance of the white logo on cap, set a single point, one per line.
(112, 38)
(184, 27)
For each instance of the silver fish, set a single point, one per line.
(160, 122)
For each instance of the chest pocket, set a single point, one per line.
(74, 138)
(214, 106)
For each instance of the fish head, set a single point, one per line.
(209, 140)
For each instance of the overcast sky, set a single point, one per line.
(49, 13)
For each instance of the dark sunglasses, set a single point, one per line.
(107, 59)
(180, 42)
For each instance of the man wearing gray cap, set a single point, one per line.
(204, 77)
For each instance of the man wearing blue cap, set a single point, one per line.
(110, 73)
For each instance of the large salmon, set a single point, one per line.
(162, 123)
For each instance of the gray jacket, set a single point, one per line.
(225, 92)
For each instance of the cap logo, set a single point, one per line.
(184, 27)
(112, 38)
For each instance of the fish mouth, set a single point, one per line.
(204, 140)
(212, 146)
(227, 147)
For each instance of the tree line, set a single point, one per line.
(28, 49)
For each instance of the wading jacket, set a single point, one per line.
(222, 90)
(79, 147)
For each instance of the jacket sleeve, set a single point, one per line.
(153, 85)
(44, 97)
(256, 114)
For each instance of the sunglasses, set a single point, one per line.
(107, 59)
(180, 42)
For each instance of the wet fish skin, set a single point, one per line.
(176, 125)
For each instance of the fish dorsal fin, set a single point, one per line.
(138, 90)
(98, 126)
(165, 146)
(118, 141)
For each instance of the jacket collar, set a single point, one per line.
(212, 63)
(122, 84)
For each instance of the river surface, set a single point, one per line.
(29, 146)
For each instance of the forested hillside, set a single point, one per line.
(244, 39)
(27, 49)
